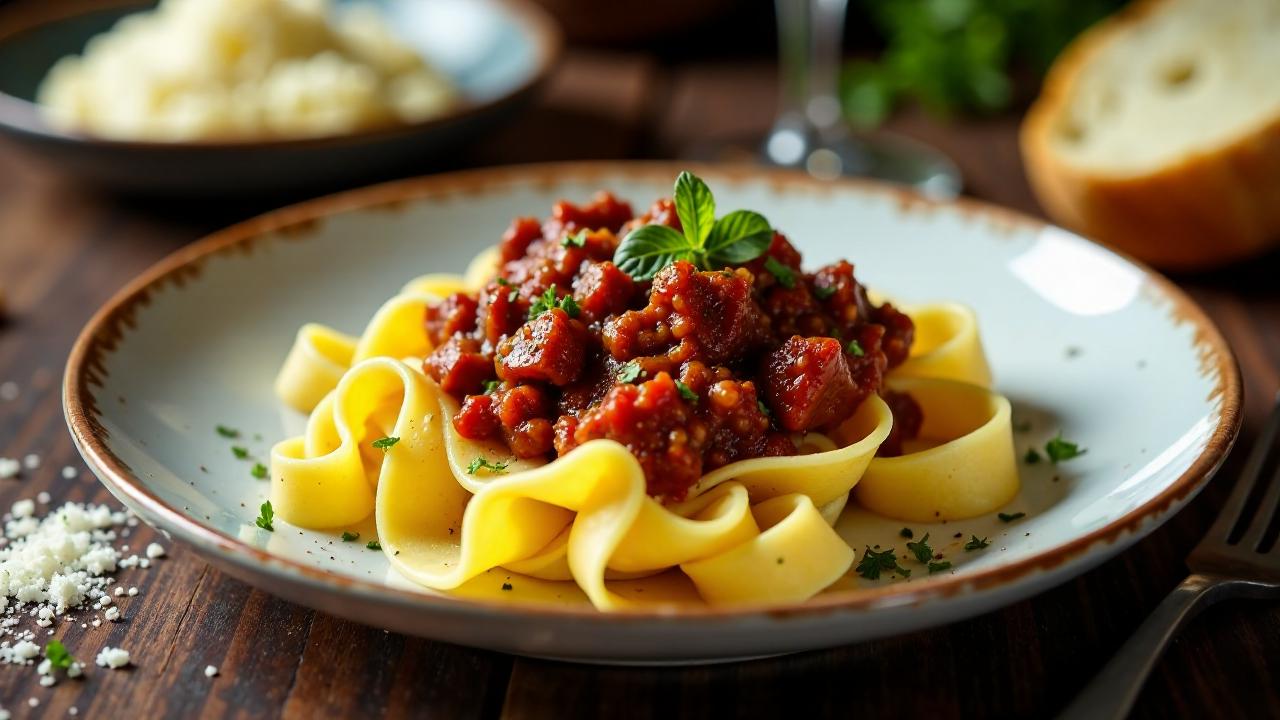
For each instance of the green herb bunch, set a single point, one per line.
(960, 55)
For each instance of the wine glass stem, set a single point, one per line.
(810, 34)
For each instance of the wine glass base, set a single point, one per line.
(882, 156)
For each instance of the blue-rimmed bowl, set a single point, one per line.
(496, 52)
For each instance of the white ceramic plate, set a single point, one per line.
(1081, 339)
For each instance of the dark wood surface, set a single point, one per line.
(66, 249)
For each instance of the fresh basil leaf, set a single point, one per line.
(649, 248)
(695, 206)
(737, 238)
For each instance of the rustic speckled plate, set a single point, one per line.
(496, 52)
(1081, 339)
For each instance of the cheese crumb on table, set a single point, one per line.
(9, 468)
(210, 671)
(155, 550)
(113, 658)
(31, 461)
(43, 497)
(69, 473)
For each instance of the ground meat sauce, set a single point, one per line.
(690, 371)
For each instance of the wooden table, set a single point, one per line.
(64, 250)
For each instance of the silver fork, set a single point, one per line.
(1229, 562)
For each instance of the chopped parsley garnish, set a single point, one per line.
(348, 536)
(824, 292)
(506, 586)
(578, 239)
(873, 563)
(373, 545)
(548, 301)
(1032, 457)
(939, 566)
(786, 276)
(1060, 450)
(921, 549)
(630, 372)
(711, 244)
(854, 349)
(764, 409)
(481, 463)
(490, 386)
(906, 533)
(975, 543)
(56, 653)
(686, 392)
(265, 516)
(386, 443)
(259, 471)
(1010, 517)
(229, 433)
(239, 452)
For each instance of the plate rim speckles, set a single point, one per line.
(419, 613)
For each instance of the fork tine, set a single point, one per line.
(1262, 517)
(1235, 505)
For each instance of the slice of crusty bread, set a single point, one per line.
(1158, 132)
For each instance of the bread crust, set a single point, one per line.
(1203, 210)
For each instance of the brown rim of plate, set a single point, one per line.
(106, 327)
(25, 116)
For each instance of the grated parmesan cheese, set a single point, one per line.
(9, 468)
(113, 658)
(210, 671)
(155, 550)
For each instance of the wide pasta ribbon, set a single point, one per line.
(441, 526)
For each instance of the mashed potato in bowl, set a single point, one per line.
(242, 70)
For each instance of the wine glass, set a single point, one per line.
(810, 133)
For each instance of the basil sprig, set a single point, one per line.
(711, 244)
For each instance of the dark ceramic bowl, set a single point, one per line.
(495, 51)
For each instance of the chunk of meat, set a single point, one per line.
(808, 383)
(454, 314)
(524, 419)
(499, 312)
(477, 420)
(713, 312)
(599, 373)
(601, 290)
(661, 212)
(459, 366)
(793, 311)
(656, 424)
(899, 333)
(604, 211)
(842, 292)
(517, 238)
(550, 348)
(739, 429)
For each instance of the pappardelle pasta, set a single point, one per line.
(605, 397)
